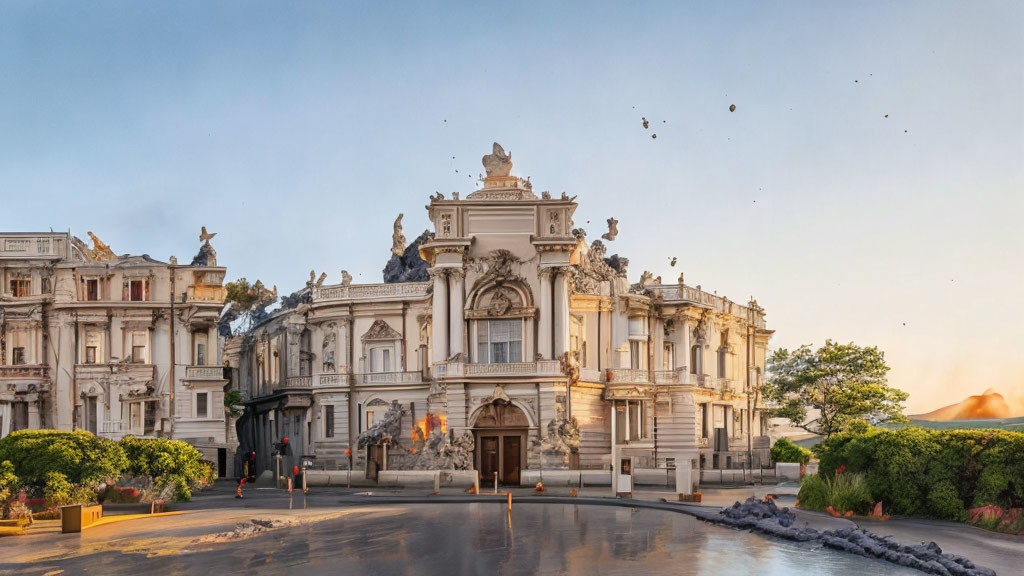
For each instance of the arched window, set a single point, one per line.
(695, 360)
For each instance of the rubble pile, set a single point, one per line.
(767, 518)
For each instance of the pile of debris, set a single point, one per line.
(766, 517)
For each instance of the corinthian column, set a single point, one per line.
(544, 325)
(561, 312)
(456, 323)
(439, 321)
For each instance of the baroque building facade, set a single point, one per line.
(503, 341)
(113, 344)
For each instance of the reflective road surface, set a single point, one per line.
(480, 539)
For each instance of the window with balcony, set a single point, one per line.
(380, 359)
(21, 287)
(635, 355)
(499, 341)
(668, 357)
(202, 405)
(199, 340)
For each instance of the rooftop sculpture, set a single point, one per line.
(498, 163)
(397, 238)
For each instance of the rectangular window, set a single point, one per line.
(18, 355)
(380, 360)
(92, 289)
(634, 355)
(136, 290)
(200, 348)
(637, 326)
(370, 419)
(21, 287)
(328, 421)
(202, 410)
(668, 358)
(704, 421)
(135, 415)
(138, 347)
(90, 354)
(499, 341)
(93, 347)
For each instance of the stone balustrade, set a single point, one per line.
(545, 368)
(370, 291)
(298, 382)
(683, 293)
(628, 375)
(204, 293)
(333, 379)
(391, 378)
(111, 427)
(103, 371)
(25, 371)
(204, 373)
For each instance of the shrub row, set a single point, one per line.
(67, 467)
(937, 473)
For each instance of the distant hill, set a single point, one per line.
(988, 405)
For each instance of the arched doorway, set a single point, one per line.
(500, 430)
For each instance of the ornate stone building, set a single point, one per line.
(514, 338)
(112, 344)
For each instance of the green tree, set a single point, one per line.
(844, 382)
(81, 457)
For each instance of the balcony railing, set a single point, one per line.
(628, 375)
(333, 379)
(111, 427)
(592, 375)
(204, 373)
(371, 291)
(538, 368)
(25, 371)
(391, 378)
(298, 382)
(203, 293)
(98, 371)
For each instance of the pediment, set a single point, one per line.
(381, 330)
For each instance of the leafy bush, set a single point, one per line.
(82, 458)
(58, 491)
(843, 492)
(8, 487)
(944, 502)
(938, 473)
(813, 494)
(785, 450)
(175, 466)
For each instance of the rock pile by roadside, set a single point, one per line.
(767, 518)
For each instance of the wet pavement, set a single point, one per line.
(437, 539)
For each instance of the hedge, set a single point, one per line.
(68, 466)
(936, 473)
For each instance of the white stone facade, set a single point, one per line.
(87, 342)
(521, 327)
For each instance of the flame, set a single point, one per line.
(425, 426)
(990, 404)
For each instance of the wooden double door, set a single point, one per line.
(501, 454)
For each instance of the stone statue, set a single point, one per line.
(645, 279)
(174, 260)
(498, 163)
(205, 236)
(680, 280)
(100, 251)
(346, 278)
(545, 195)
(320, 280)
(613, 230)
(397, 238)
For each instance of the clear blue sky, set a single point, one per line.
(299, 130)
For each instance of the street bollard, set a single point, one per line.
(437, 482)
(495, 482)
(305, 490)
(289, 485)
(509, 501)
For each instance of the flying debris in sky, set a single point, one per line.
(646, 124)
(672, 261)
(732, 108)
